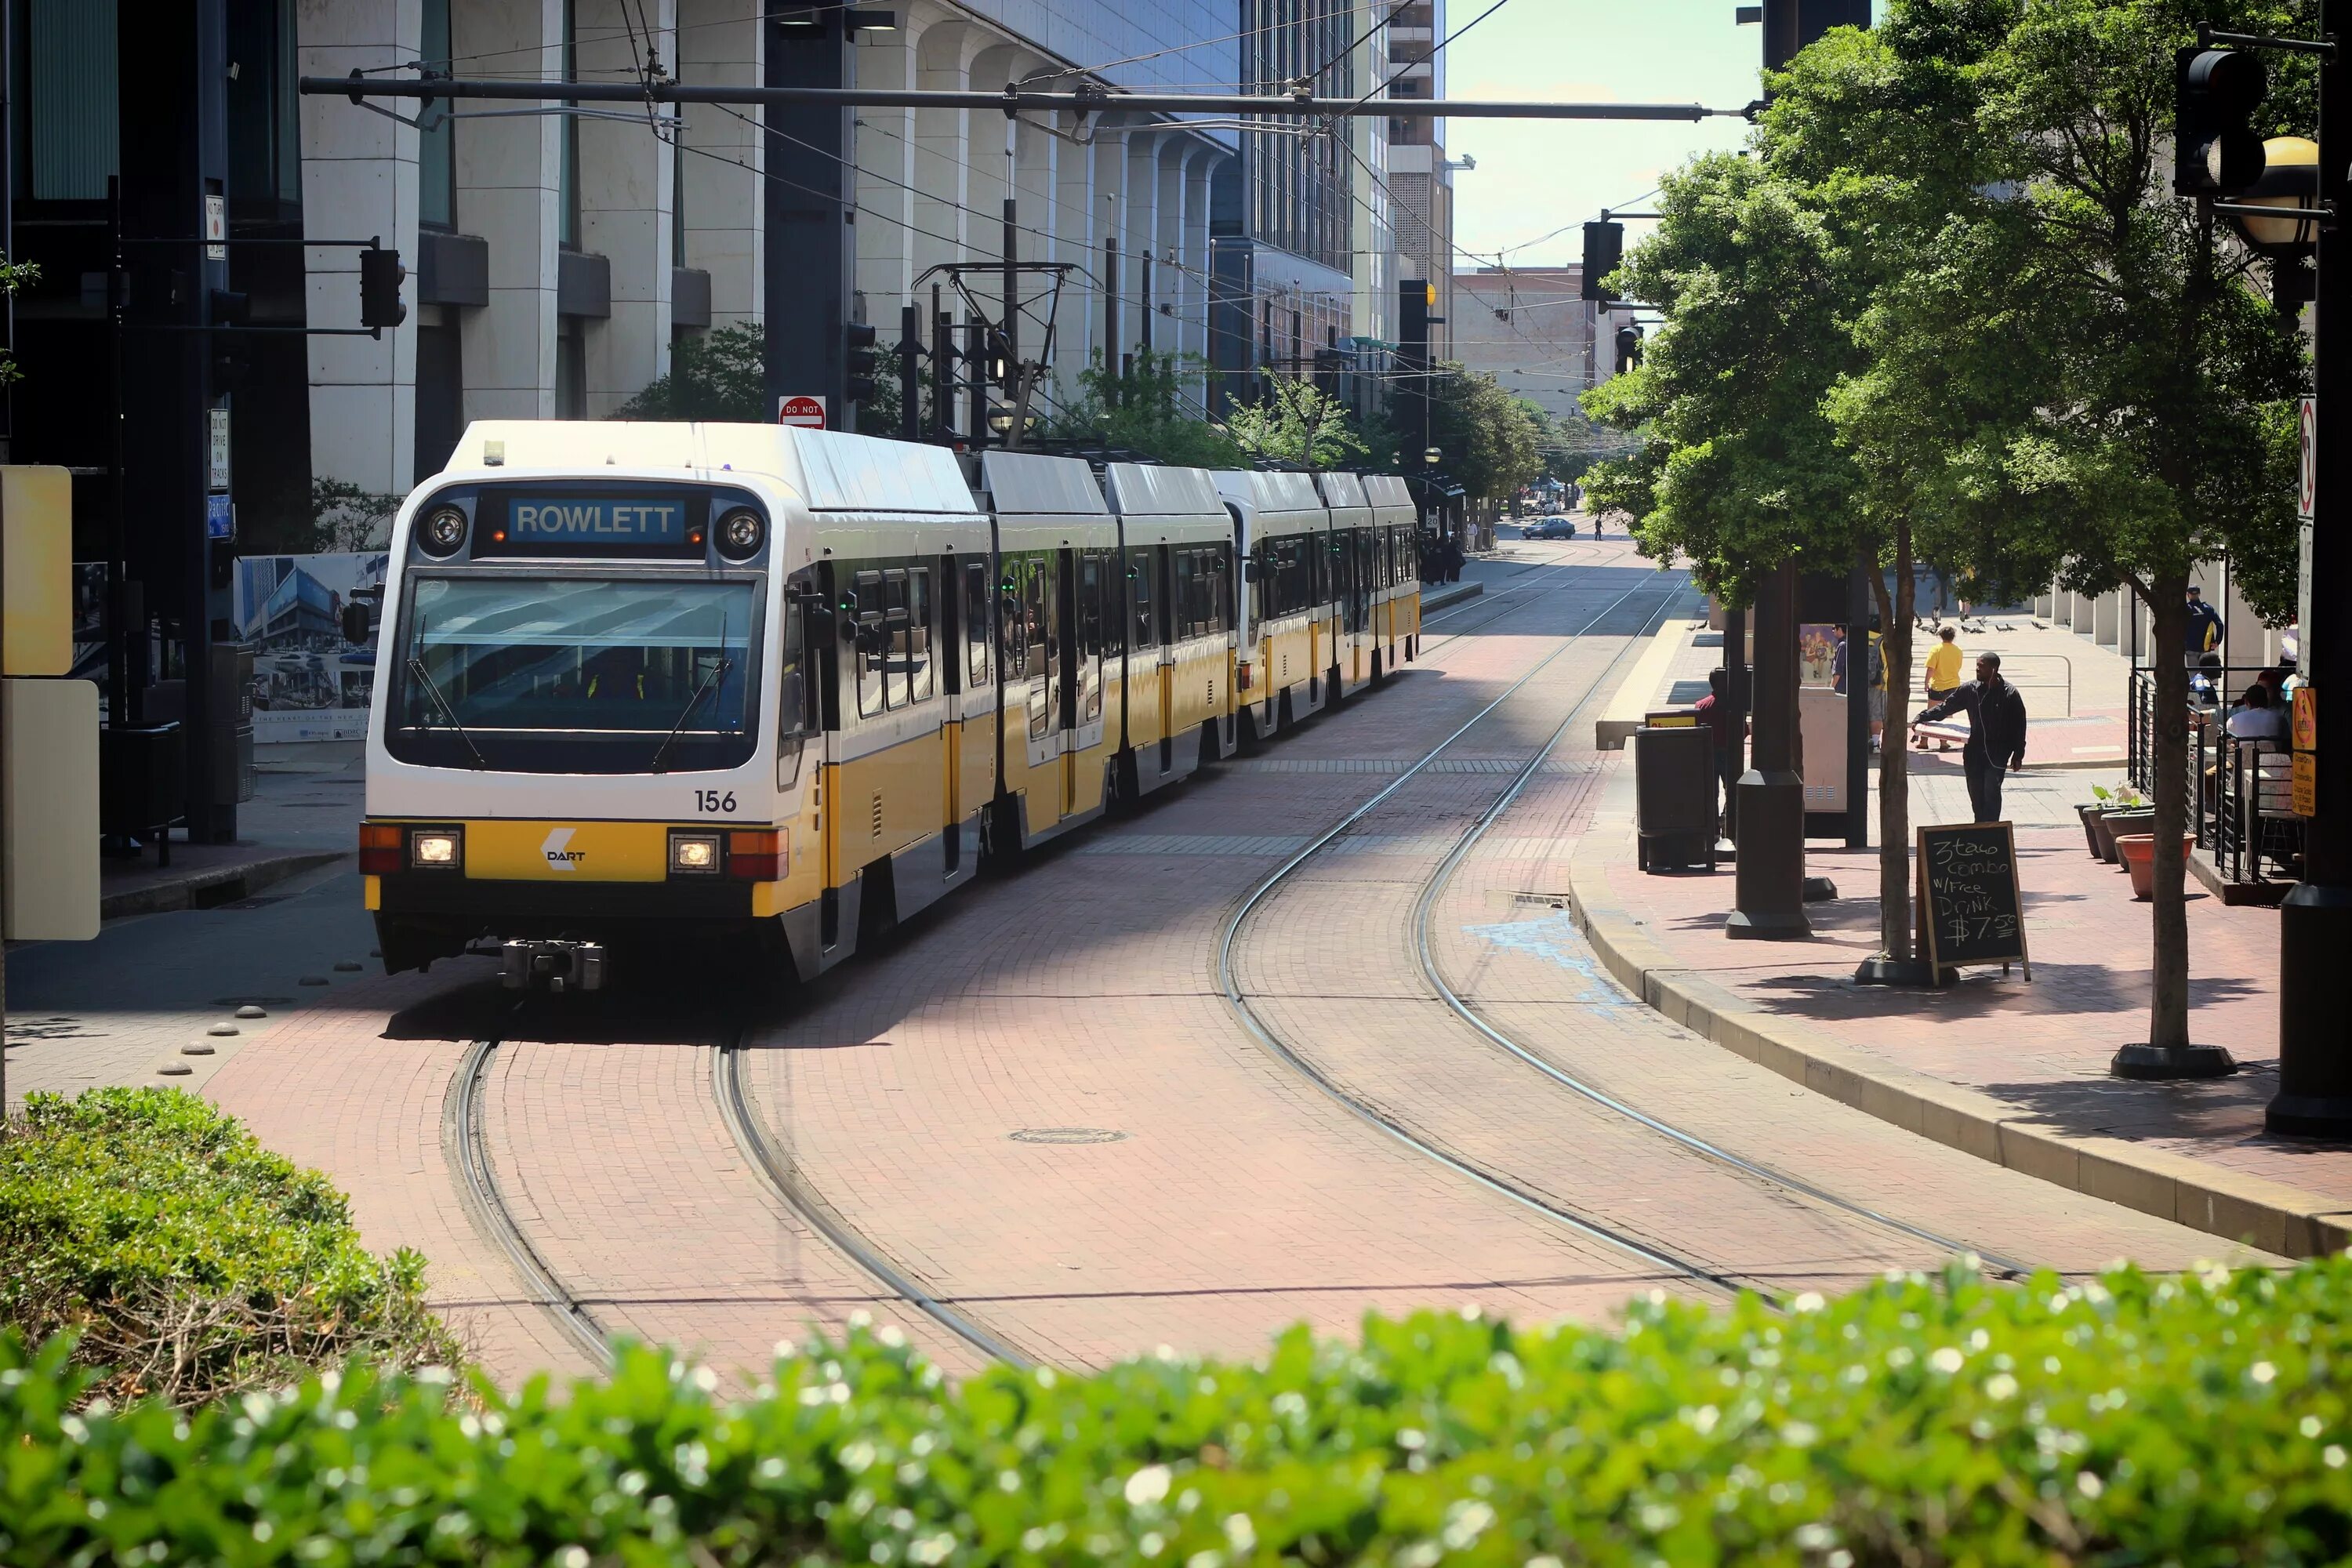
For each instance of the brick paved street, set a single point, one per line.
(1041, 1108)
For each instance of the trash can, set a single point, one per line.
(1674, 794)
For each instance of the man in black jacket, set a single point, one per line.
(1995, 733)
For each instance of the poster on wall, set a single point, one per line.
(308, 684)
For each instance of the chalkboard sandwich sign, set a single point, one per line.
(1970, 906)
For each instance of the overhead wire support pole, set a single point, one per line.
(359, 89)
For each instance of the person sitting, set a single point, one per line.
(2257, 717)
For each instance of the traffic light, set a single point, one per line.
(381, 275)
(2215, 149)
(862, 361)
(1629, 348)
(1604, 252)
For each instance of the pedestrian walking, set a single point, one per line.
(2205, 626)
(1995, 733)
(1944, 662)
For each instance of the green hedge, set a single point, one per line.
(185, 1258)
(2134, 1419)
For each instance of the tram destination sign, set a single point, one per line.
(642, 523)
(1971, 910)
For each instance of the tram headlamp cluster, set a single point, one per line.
(740, 535)
(693, 854)
(443, 532)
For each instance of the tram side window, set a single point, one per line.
(975, 625)
(1143, 629)
(920, 674)
(794, 720)
(872, 640)
(1093, 590)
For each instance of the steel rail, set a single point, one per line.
(1015, 100)
(782, 1174)
(1425, 910)
(479, 1186)
(1493, 1181)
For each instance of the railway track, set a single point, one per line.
(466, 1133)
(1578, 1219)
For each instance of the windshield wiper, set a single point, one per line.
(417, 672)
(717, 672)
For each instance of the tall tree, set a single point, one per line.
(2157, 431)
(1879, 132)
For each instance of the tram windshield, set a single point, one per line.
(575, 675)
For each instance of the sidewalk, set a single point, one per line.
(2014, 1072)
(308, 800)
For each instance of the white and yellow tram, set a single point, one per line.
(748, 685)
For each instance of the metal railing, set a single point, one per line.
(2140, 721)
(2250, 817)
(2017, 668)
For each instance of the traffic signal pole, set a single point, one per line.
(2314, 1093)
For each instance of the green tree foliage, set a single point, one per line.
(719, 374)
(344, 517)
(1296, 422)
(188, 1262)
(1493, 441)
(1153, 409)
(2121, 1419)
(2158, 431)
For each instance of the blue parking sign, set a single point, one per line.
(219, 521)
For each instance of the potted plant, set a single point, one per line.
(2138, 852)
(2121, 810)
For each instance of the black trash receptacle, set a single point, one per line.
(1675, 800)
(143, 784)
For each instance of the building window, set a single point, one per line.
(568, 175)
(437, 144)
(572, 371)
(440, 394)
(264, 135)
(68, 129)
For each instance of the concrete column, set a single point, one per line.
(509, 178)
(1194, 248)
(1140, 218)
(885, 181)
(1077, 239)
(720, 42)
(943, 149)
(2106, 618)
(358, 178)
(1170, 287)
(626, 174)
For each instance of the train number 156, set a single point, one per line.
(712, 800)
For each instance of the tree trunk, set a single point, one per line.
(2167, 1012)
(1895, 752)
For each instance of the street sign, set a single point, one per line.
(220, 518)
(2306, 785)
(216, 228)
(216, 449)
(2307, 424)
(2306, 719)
(808, 413)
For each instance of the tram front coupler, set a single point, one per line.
(556, 965)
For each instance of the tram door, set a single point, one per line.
(1162, 629)
(1084, 574)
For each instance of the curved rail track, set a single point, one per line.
(466, 1134)
(1426, 898)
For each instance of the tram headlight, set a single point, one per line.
(740, 535)
(443, 531)
(437, 849)
(693, 854)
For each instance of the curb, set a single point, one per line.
(2277, 1218)
(213, 885)
(1454, 594)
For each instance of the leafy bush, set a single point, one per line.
(717, 375)
(184, 1256)
(2133, 1419)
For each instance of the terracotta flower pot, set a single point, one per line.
(2138, 852)
(2113, 824)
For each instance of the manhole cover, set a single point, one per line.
(1067, 1135)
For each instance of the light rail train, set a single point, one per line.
(764, 692)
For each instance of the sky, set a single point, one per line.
(1535, 176)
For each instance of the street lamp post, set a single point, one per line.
(2314, 1093)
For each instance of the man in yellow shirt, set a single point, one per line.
(1942, 676)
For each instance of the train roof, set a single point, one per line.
(1341, 488)
(831, 470)
(1261, 491)
(1032, 484)
(1142, 489)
